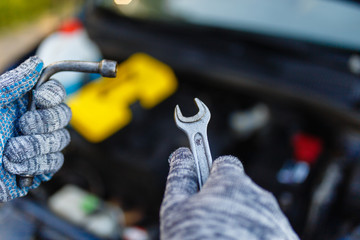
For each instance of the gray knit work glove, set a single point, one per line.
(30, 141)
(229, 206)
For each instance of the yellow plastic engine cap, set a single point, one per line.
(102, 107)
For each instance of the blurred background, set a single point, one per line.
(281, 79)
(23, 25)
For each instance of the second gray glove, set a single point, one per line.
(229, 206)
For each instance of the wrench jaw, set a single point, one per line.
(202, 116)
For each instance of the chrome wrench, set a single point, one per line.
(195, 128)
(105, 68)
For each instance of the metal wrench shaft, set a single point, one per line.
(105, 68)
(195, 128)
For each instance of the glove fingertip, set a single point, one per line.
(227, 162)
(182, 178)
(67, 137)
(181, 154)
(49, 94)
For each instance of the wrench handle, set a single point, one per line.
(106, 68)
(201, 151)
(25, 180)
(195, 128)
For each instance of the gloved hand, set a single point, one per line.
(229, 206)
(30, 143)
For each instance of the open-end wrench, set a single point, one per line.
(195, 128)
(105, 68)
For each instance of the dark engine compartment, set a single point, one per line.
(303, 89)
